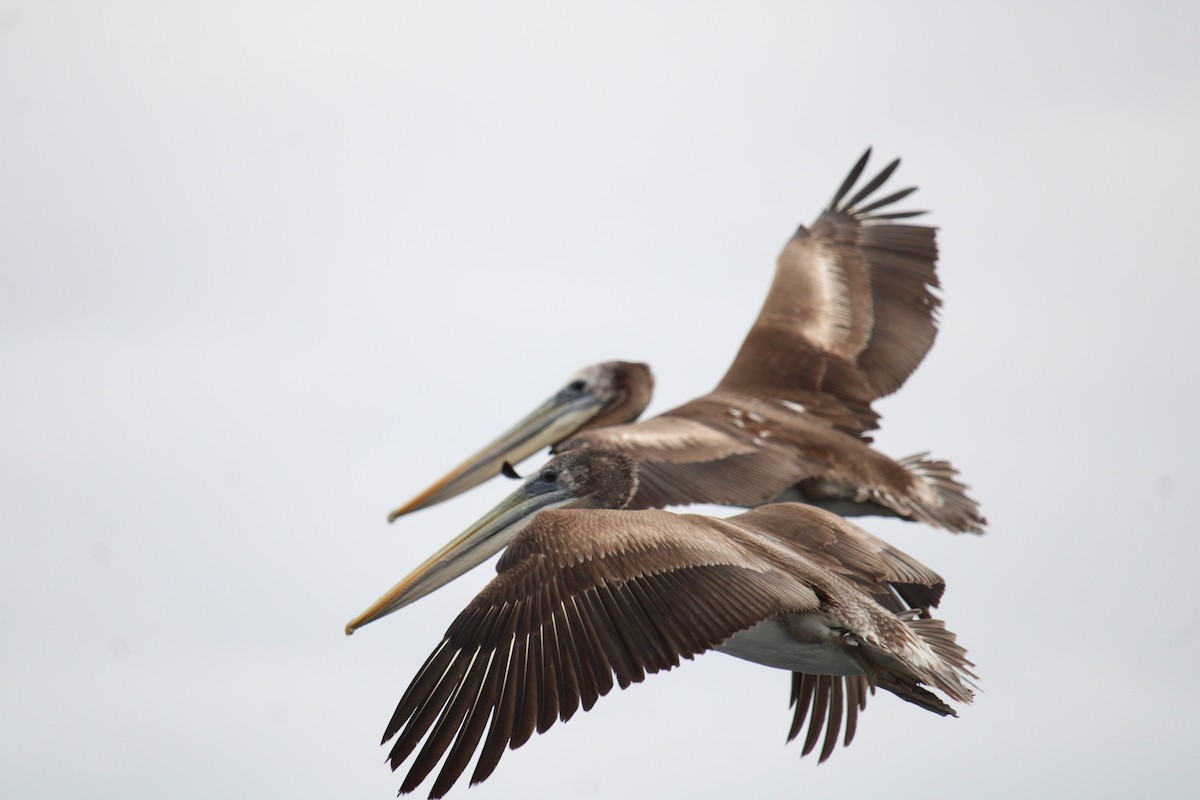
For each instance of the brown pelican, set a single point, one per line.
(585, 593)
(850, 314)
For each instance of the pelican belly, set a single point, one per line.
(806, 644)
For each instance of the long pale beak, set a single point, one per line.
(550, 423)
(469, 549)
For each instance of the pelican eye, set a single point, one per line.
(577, 385)
(550, 476)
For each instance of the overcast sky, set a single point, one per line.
(268, 269)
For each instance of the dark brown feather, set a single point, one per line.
(592, 660)
(418, 691)
(856, 700)
(425, 715)
(894, 197)
(449, 723)
(819, 706)
(500, 731)
(802, 692)
(610, 639)
(872, 184)
(568, 663)
(846, 698)
(851, 179)
(525, 721)
(834, 725)
(899, 215)
(472, 730)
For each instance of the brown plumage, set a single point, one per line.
(850, 314)
(588, 597)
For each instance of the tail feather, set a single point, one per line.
(945, 504)
(914, 693)
(954, 675)
(931, 494)
(935, 659)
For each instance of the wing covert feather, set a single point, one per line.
(856, 555)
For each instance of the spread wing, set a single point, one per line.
(581, 597)
(851, 311)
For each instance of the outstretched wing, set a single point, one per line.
(851, 311)
(582, 597)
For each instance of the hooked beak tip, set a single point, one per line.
(425, 498)
(411, 506)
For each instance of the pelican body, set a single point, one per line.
(587, 597)
(850, 314)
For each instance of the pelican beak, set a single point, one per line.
(472, 547)
(550, 423)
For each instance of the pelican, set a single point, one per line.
(585, 593)
(849, 316)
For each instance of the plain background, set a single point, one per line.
(268, 269)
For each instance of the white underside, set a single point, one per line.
(818, 650)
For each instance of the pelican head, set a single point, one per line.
(603, 394)
(583, 478)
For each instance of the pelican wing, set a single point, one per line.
(742, 479)
(690, 455)
(679, 436)
(583, 597)
(851, 311)
(735, 449)
(724, 448)
(863, 559)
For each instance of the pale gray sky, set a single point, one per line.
(267, 269)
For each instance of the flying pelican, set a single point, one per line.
(849, 316)
(585, 593)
